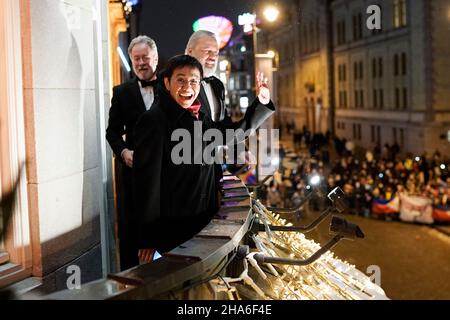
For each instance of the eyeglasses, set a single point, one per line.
(193, 82)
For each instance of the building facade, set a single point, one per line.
(371, 86)
(55, 62)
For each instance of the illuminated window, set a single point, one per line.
(400, 17)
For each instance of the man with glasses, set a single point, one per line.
(130, 100)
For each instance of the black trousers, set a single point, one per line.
(126, 221)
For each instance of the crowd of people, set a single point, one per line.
(374, 174)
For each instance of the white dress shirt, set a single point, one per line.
(147, 95)
(214, 105)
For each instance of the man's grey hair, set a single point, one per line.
(142, 39)
(197, 35)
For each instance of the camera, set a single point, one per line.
(337, 196)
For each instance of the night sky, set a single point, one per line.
(169, 22)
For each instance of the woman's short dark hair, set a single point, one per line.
(181, 61)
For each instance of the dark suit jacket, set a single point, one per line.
(253, 118)
(127, 106)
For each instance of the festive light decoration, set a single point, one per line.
(328, 278)
(219, 25)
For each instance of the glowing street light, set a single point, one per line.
(271, 13)
(315, 180)
(271, 53)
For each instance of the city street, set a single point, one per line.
(413, 259)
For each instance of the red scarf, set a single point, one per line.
(194, 108)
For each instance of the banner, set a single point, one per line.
(383, 206)
(441, 214)
(416, 209)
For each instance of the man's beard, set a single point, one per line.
(208, 72)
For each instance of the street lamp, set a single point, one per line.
(249, 23)
(271, 13)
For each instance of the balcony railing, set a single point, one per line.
(194, 262)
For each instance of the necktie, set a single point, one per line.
(145, 83)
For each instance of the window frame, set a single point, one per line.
(17, 243)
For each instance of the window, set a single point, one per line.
(381, 99)
(357, 26)
(361, 70)
(375, 99)
(394, 134)
(396, 65)
(338, 30)
(361, 98)
(380, 67)
(341, 32)
(396, 14)
(403, 20)
(356, 99)
(374, 68)
(377, 68)
(372, 134)
(15, 250)
(397, 98)
(358, 70)
(402, 137)
(405, 98)
(356, 131)
(344, 68)
(400, 19)
(344, 32)
(403, 63)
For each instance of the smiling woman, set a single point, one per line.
(174, 201)
(184, 85)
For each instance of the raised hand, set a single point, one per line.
(262, 89)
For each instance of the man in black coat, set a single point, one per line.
(175, 193)
(130, 100)
(204, 46)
